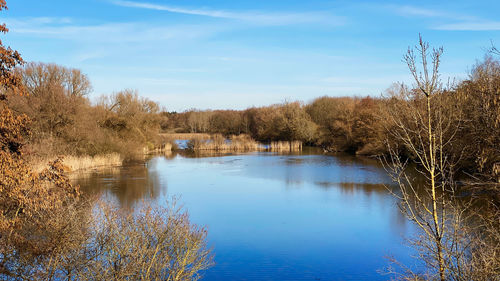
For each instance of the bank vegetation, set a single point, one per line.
(48, 229)
(64, 121)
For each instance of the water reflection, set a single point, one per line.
(298, 216)
(125, 185)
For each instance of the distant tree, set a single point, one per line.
(199, 121)
(130, 119)
(368, 130)
(479, 99)
(336, 118)
(294, 123)
(56, 97)
(226, 122)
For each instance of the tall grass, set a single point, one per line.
(77, 163)
(241, 142)
(285, 146)
(165, 148)
(80, 163)
(219, 143)
(185, 136)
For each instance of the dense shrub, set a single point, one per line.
(64, 121)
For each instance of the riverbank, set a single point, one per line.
(82, 163)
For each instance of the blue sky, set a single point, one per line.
(235, 54)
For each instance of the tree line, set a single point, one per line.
(362, 125)
(65, 121)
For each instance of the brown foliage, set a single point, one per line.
(153, 243)
(46, 231)
(27, 199)
(455, 242)
(9, 59)
(479, 99)
(65, 122)
(282, 122)
(349, 124)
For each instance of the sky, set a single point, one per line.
(228, 54)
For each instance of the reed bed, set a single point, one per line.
(285, 146)
(220, 143)
(165, 148)
(241, 143)
(78, 163)
(185, 136)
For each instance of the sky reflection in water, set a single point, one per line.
(276, 217)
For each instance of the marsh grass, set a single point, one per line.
(285, 146)
(220, 143)
(166, 148)
(239, 143)
(81, 163)
(76, 163)
(185, 136)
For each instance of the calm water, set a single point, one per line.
(276, 217)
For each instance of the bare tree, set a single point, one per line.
(456, 242)
(494, 50)
(421, 121)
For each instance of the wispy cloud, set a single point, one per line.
(108, 32)
(412, 11)
(471, 26)
(44, 20)
(415, 11)
(458, 21)
(266, 18)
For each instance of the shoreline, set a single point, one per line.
(82, 163)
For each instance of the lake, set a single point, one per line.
(300, 216)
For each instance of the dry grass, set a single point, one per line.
(241, 143)
(166, 148)
(80, 163)
(285, 146)
(185, 136)
(219, 143)
(76, 163)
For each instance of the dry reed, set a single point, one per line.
(77, 163)
(165, 148)
(80, 163)
(185, 136)
(241, 143)
(219, 143)
(285, 146)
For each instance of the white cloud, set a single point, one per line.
(256, 17)
(460, 21)
(429, 13)
(44, 20)
(470, 26)
(415, 11)
(109, 32)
